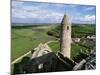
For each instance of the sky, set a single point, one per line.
(37, 12)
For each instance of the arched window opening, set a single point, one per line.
(67, 27)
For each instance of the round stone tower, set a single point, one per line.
(65, 37)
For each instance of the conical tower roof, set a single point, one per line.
(65, 19)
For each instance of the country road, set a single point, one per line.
(27, 54)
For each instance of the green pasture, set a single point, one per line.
(23, 39)
(75, 48)
(26, 38)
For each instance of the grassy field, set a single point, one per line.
(26, 38)
(55, 46)
(23, 39)
(75, 48)
(77, 31)
(81, 31)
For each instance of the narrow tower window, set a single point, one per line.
(67, 27)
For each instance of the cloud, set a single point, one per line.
(34, 12)
(90, 19)
(72, 6)
(17, 4)
(89, 8)
(40, 12)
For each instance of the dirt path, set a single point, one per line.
(50, 42)
(27, 54)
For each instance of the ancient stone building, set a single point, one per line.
(65, 39)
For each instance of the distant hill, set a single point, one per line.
(78, 30)
(31, 24)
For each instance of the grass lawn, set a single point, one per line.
(75, 48)
(55, 46)
(80, 31)
(25, 39)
